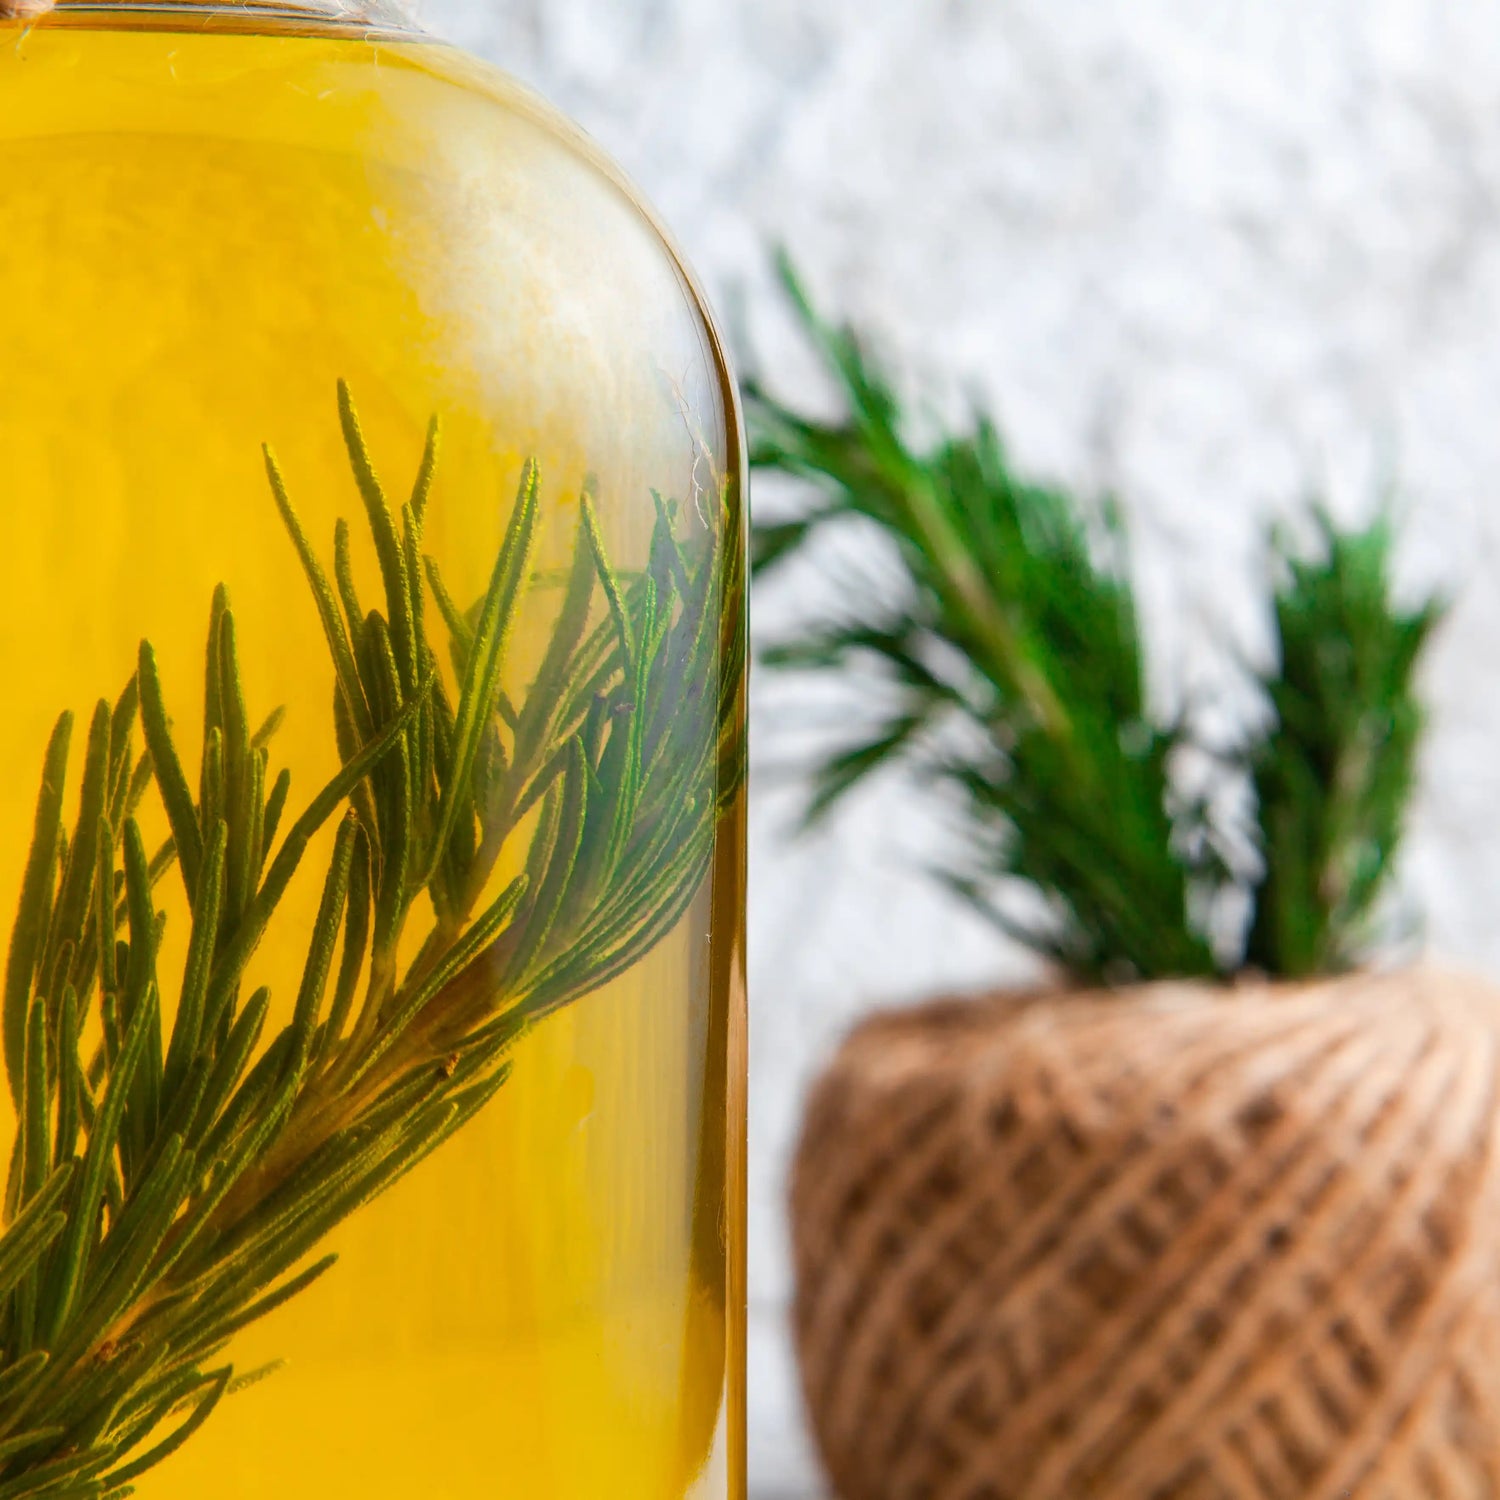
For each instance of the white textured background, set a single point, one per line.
(1212, 254)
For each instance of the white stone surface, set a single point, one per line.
(1212, 254)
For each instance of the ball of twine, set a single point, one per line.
(1175, 1244)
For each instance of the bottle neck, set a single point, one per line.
(383, 15)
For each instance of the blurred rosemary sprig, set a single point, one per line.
(168, 1184)
(1002, 661)
(1334, 777)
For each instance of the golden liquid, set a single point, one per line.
(202, 231)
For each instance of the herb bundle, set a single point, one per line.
(169, 1183)
(1006, 666)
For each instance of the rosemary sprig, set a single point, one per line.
(1001, 659)
(1012, 664)
(169, 1184)
(1335, 772)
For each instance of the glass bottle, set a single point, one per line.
(481, 596)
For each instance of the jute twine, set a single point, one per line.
(1178, 1244)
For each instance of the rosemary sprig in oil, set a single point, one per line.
(170, 1184)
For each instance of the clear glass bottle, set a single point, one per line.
(513, 659)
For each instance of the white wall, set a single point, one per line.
(1209, 253)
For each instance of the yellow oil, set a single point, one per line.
(204, 228)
